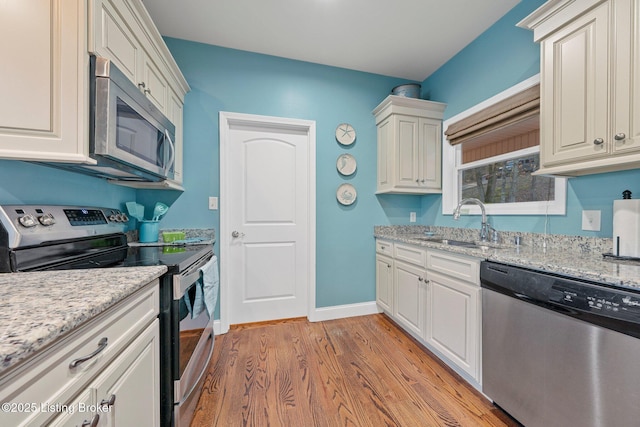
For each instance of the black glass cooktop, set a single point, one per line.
(176, 258)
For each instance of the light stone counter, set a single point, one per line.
(575, 256)
(38, 308)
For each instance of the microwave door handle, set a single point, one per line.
(172, 158)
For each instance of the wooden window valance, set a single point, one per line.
(511, 110)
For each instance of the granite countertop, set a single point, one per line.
(38, 308)
(574, 256)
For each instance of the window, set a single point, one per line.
(497, 167)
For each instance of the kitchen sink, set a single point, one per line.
(461, 243)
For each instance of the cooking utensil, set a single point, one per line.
(135, 210)
(159, 210)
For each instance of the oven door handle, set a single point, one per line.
(182, 282)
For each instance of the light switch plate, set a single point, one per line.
(213, 203)
(412, 217)
(591, 220)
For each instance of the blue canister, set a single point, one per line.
(148, 231)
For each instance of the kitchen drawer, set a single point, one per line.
(47, 379)
(459, 266)
(411, 254)
(385, 248)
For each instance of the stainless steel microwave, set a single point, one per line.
(130, 139)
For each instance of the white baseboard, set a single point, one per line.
(326, 313)
(342, 311)
(217, 327)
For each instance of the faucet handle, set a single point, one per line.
(495, 236)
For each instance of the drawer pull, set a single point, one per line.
(110, 402)
(93, 422)
(102, 344)
(598, 141)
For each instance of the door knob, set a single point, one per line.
(237, 234)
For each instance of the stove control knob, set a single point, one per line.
(28, 221)
(112, 218)
(125, 218)
(47, 220)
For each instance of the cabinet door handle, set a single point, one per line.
(619, 136)
(598, 141)
(102, 344)
(420, 279)
(141, 85)
(110, 402)
(93, 422)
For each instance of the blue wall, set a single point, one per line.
(235, 81)
(501, 57)
(27, 183)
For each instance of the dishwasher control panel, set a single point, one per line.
(597, 299)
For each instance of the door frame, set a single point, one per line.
(227, 119)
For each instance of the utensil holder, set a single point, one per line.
(148, 231)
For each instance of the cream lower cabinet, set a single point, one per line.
(384, 276)
(116, 385)
(590, 85)
(130, 386)
(409, 281)
(384, 283)
(453, 325)
(126, 393)
(435, 296)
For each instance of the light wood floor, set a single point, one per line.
(359, 371)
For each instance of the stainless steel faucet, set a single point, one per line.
(485, 228)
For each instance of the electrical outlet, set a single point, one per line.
(591, 220)
(412, 217)
(213, 203)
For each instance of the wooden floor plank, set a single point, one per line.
(360, 371)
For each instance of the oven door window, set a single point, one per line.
(194, 323)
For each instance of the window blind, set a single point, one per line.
(518, 108)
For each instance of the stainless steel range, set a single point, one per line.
(39, 238)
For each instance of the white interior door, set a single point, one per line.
(267, 218)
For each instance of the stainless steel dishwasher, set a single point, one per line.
(558, 351)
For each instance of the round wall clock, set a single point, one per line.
(345, 134)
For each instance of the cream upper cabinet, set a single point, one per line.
(175, 113)
(123, 32)
(44, 84)
(44, 108)
(590, 85)
(117, 31)
(409, 145)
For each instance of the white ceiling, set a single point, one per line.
(399, 38)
